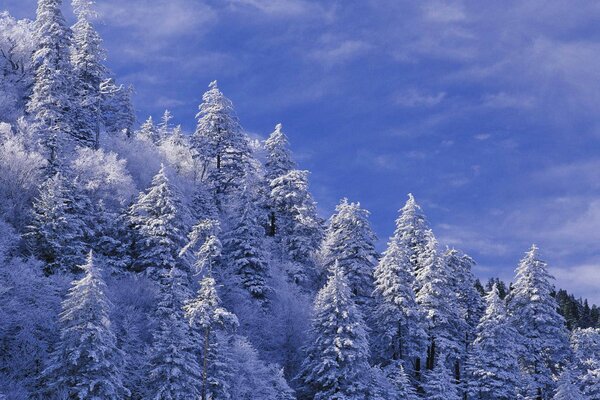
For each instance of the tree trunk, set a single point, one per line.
(205, 363)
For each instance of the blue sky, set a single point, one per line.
(486, 111)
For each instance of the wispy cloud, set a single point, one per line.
(416, 98)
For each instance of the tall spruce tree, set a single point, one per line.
(399, 378)
(439, 383)
(86, 362)
(221, 146)
(87, 58)
(400, 329)
(52, 105)
(493, 367)
(542, 330)
(350, 241)
(567, 388)
(118, 115)
(148, 131)
(585, 345)
(336, 364)
(207, 315)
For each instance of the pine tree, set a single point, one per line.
(206, 314)
(400, 324)
(437, 300)
(397, 375)
(493, 367)
(300, 230)
(244, 247)
(542, 331)
(350, 241)
(58, 229)
(118, 115)
(164, 128)
(51, 105)
(86, 363)
(148, 131)
(157, 227)
(336, 364)
(279, 159)
(173, 372)
(567, 389)
(585, 345)
(87, 59)
(439, 383)
(221, 146)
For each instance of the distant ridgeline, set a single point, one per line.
(144, 262)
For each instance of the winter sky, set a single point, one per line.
(487, 111)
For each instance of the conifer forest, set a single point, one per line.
(139, 260)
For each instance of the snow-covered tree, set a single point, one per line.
(299, 228)
(400, 329)
(350, 241)
(567, 388)
(173, 371)
(118, 115)
(206, 313)
(279, 159)
(52, 105)
(493, 367)
(86, 362)
(164, 127)
(336, 364)
(438, 301)
(87, 58)
(59, 226)
(542, 330)
(157, 227)
(245, 250)
(398, 377)
(148, 131)
(440, 384)
(221, 146)
(585, 345)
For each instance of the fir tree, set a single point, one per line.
(350, 241)
(336, 364)
(439, 383)
(148, 131)
(157, 227)
(51, 105)
(493, 367)
(118, 115)
(585, 345)
(164, 128)
(397, 375)
(86, 363)
(567, 389)
(173, 372)
(220, 145)
(400, 325)
(542, 331)
(206, 314)
(87, 57)
(279, 159)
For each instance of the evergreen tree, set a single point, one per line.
(86, 57)
(336, 364)
(300, 230)
(164, 127)
(173, 372)
(118, 115)
(244, 247)
(439, 384)
(350, 241)
(51, 105)
(397, 375)
(279, 159)
(567, 389)
(585, 345)
(541, 329)
(206, 314)
(148, 131)
(493, 366)
(156, 227)
(221, 146)
(58, 228)
(86, 363)
(400, 325)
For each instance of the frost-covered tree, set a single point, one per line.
(336, 364)
(87, 58)
(148, 131)
(399, 378)
(542, 330)
(173, 372)
(157, 228)
(118, 115)
(59, 227)
(206, 313)
(585, 345)
(221, 146)
(164, 127)
(439, 383)
(350, 241)
(52, 105)
(86, 363)
(279, 158)
(300, 228)
(400, 329)
(493, 367)
(567, 388)
(438, 301)
(244, 247)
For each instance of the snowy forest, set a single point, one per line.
(141, 261)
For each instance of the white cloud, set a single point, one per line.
(339, 52)
(508, 100)
(416, 98)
